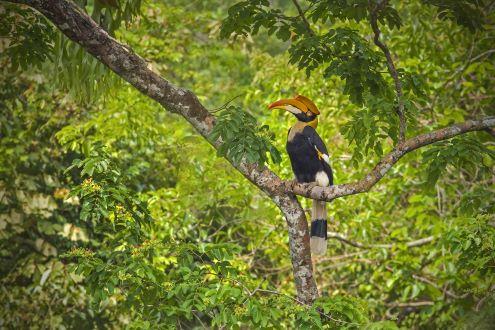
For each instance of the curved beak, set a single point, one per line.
(283, 103)
(280, 104)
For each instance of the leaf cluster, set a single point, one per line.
(242, 138)
(29, 37)
(167, 282)
(104, 194)
(463, 153)
(353, 10)
(346, 55)
(468, 13)
(247, 17)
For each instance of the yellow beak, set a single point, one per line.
(301, 102)
(283, 103)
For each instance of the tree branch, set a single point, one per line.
(303, 17)
(391, 67)
(433, 284)
(312, 191)
(80, 28)
(491, 131)
(411, 244)
(412, 304)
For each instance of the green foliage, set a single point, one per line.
(354, 10)
(247, 17)
(80, 74)
(76, 71)
(348, 56)
(172, 282)
(345, 53)
(33, 42)
(369, 127)
(159, 232)
(473, 243)
(463, 153)
(28, 34)
(104, 193)
(468, 13)
(37, 222)
(242, 138)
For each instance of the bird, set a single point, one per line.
(309, 160)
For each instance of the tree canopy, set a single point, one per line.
(129, 202)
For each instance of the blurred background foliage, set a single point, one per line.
(115, 213)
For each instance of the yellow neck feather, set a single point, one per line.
(313, 123)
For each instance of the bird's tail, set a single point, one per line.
(318, 239)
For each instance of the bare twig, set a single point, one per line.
(433, 284)
(482, 300)
(415, 243)
(464, 67)
(263, 240)
(411, 304)
(226, 104)
(391, 67)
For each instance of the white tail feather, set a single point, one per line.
(318, 245)
(319, 212)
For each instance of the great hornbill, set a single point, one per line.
(309, 159)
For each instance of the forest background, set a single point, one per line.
(116, 213)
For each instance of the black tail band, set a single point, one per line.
(319, 228)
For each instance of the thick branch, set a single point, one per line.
(329, 193)
(80, 28)
(391, 68)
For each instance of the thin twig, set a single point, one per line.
(301, 303)
(303, 17)
(445, 291)
(226, 104)
(263, 240)
(391, 67)
(482, 300)
(411, 304)
(344, 239)
(463, 67)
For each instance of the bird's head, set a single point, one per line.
(301, 107)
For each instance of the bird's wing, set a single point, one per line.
(317, 143)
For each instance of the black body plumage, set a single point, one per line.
(304, 158)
